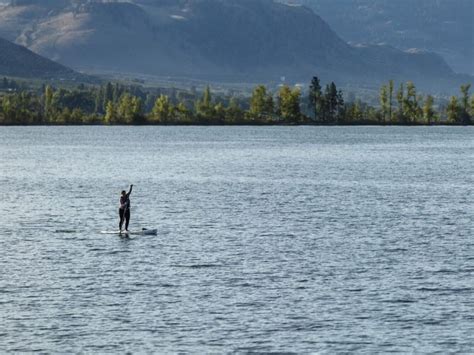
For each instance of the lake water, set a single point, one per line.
(291, 239)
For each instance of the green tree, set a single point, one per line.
(390, 100)
(234, 113)
(63, 117)
(130, 110)
(401, 104)
(412, 110)
(77, 117)
(354, 113)
(108, 95)
(162, 110)
(472, 107)
(261, 103)
(289, 104)
(384, 102)
(117, 92)
(204, 107)
(315, 98)
(207, 97)
(99, 104)
(428, 111)
(22, 108)
(110, 113)
(332, 104)
(331, 99)
(453, 110)
(182, 114)
(465, 116)
(125, 109)
(6, 110)
(149, 103)
(219, 113)
(2, 115)
(137, 110)
(270, 107)
(48, 103)
(341, 107)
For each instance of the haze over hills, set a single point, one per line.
(445, 27)
(19, 61)
(217, 40)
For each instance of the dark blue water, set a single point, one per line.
(270, 239)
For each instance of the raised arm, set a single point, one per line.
(130, 191)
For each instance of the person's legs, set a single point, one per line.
(121, 219)
(127, 219)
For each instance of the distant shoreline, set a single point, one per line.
(117, 104)
(240, 125)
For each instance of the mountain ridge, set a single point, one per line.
(18, 61)
(444, 27)
(232, 40)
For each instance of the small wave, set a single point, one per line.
(73, 277)
(97, 249)
(395, 250)
(348, 342)
(167, 285)
(400, 301)
(432, 322)
(445, 271)
(248, 304)
(65, 231)
(114, 252)
(199, 266)
(246, 284)
(258, 350)
(436, 289)
(355, 290)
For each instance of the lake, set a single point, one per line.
(270, 239)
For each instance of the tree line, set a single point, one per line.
(117, 104)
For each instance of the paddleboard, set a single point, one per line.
(65, 231)
(139, 232)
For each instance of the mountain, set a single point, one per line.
(445, 27)
(19, 61)
(216, 40)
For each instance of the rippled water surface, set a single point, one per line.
(269, 239)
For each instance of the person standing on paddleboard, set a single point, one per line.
(124, 210)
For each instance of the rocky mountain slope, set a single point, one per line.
(219, 40)
(445, 27)
(19, 61)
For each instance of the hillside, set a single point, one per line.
(218, 40)
(19, 61)
(445, 27)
